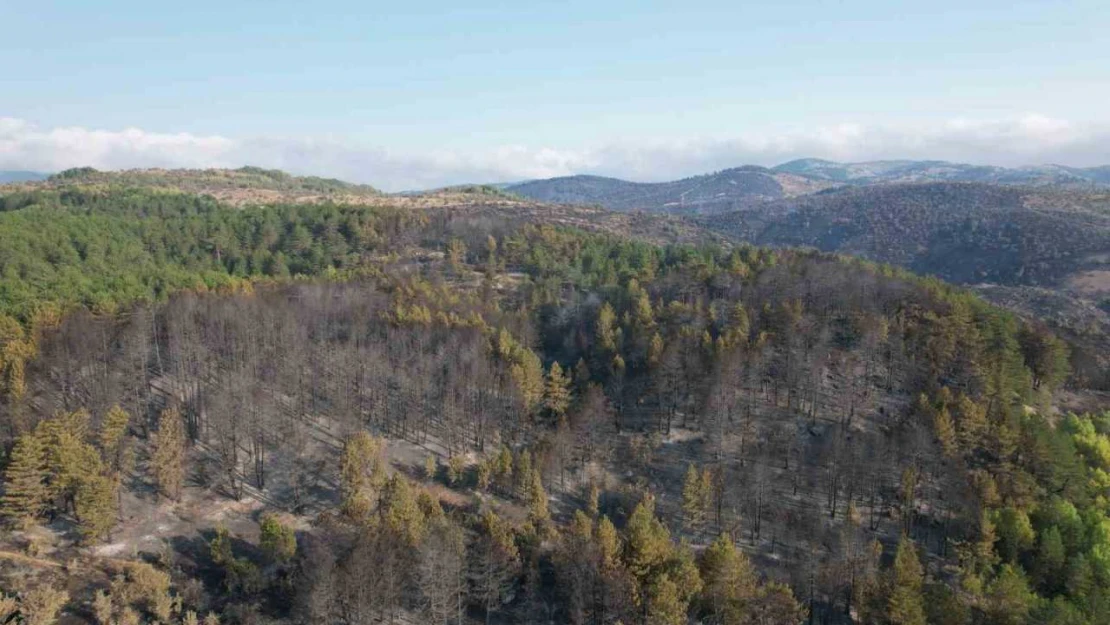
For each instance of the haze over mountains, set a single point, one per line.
(21, 176)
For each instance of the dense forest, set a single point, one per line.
(335, 413)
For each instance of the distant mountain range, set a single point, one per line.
(744, 187)
(872, 172)
(21, 176)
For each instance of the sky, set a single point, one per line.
(419, 94)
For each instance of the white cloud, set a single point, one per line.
(1031, 139)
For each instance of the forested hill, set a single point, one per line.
(339, 413)
(246, 185)
(725, 190)
(102, 249)
(962, 232)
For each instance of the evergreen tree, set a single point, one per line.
(522, 475)
(401, 511)
(730, 583)
(655, 350)
(361, 473)
(945, 607)
(661, 572)
(25, 491)
(495, 563)
(648, 543)
(113, 438)
(775, 604)
(527, 373)
(431, 466)
(69, 459)
(1015, 533)
(739, 325)
(485, 474)
(605, 330)
(167, 459)
(946, 432)
(1050, 560)
(906, 604)
(456, 254)
(665, 599)
(1009, 599)
(694, 497)
(1045, 355)
(503, 469)
(971, 423)
(277, 540)
(593, 501)
(613, 573)
(556, 396)
(538, 514)
(97, 505)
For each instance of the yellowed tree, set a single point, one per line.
(362, 474)
(97, 505)
(401, 511)
(696, 494)
(102, 607)
(17, 346)
(40, 606)
(456, 253)
(605, 329)
(113, 440)
(69, 458)
(556, 396)
(167, 458)
(593, 501)
(25, 491)
(538, 514)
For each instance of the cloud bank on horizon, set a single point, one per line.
(1027, 140)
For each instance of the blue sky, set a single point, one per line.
(415, 93)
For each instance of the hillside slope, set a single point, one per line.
(962, 232)
(1044, 253)
(246, 185)
(325, 413)
(725, 190)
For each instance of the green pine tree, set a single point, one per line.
(25, 491)
(97, 505)
(906, 604)
(730, 583)
(556, 395)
